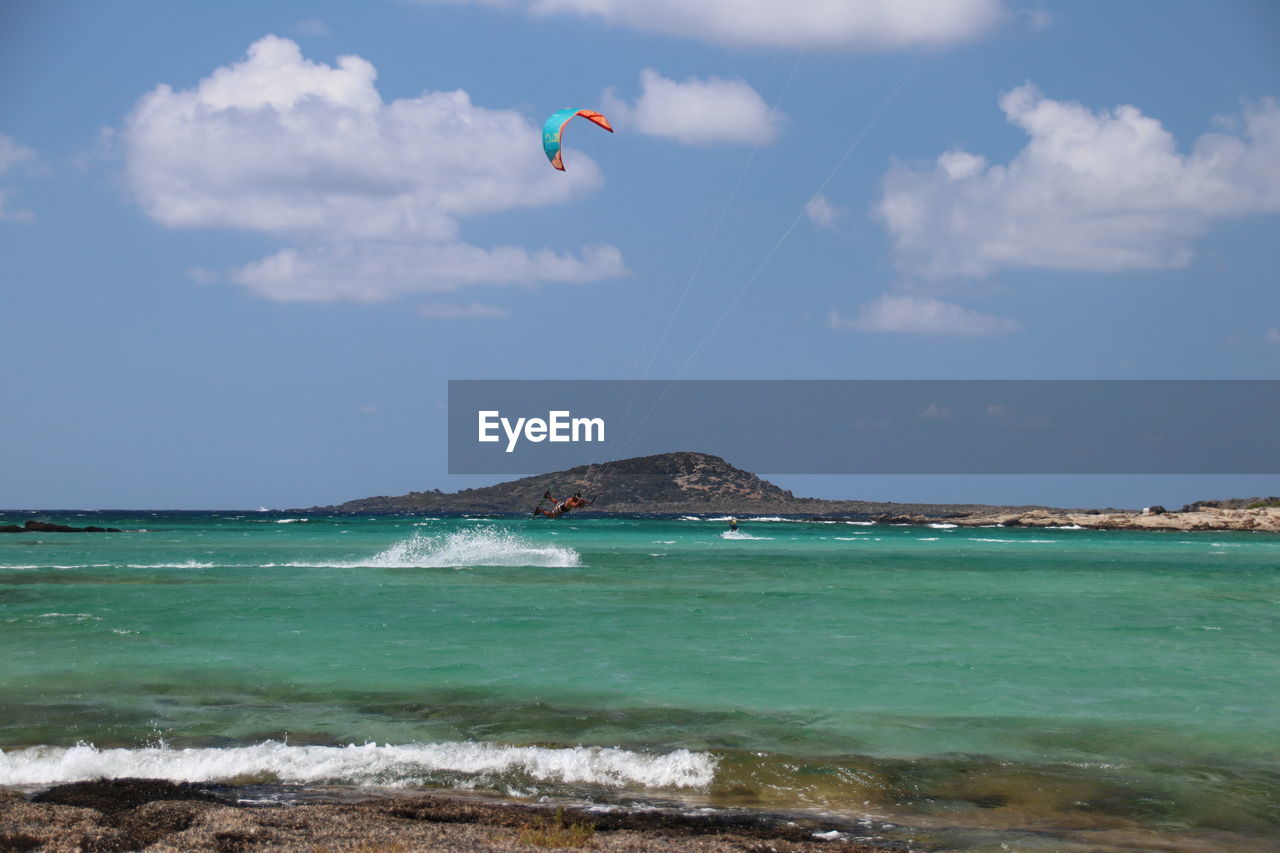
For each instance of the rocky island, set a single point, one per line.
(703, 484)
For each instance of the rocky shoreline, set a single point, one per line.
(165, 817)
(1258, 519)
(49, 527)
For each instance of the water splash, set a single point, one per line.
(462, 549)
(368, 764)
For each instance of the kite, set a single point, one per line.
(552, 130)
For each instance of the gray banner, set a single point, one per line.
(872, 426)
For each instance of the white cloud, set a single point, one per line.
(371, 190)
(1090, 191)
(822, 212)
(695, 112)
(823, 24)
(8, 214)
(370, 272)
(1036, 16)
(453, 310)
(921, 315)
(11, 154)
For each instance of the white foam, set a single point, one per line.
(738, 534)
(1012, 541)
(189, 564)
(54, 566)
(460, 549)
(369, 764)
(943, 526)
(1065, 527)
(76, 617)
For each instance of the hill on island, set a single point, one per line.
(667, 483)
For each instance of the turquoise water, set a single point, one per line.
(971, 686)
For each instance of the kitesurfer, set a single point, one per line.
(733, 525)
(559, 508)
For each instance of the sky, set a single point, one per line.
(244, 246)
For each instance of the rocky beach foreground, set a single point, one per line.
(165, 817)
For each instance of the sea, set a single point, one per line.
(922, 687)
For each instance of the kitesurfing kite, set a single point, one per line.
(552, 130)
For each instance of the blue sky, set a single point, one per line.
(238, 269)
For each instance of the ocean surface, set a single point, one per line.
(949, 688)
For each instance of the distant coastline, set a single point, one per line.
(689, 483)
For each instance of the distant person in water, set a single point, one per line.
(559, 508)
(733, 525)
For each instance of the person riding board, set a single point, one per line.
(559, 508)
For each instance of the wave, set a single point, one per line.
(76, 617)
(1025, 541)
(738, 534)
(55, 566)
(188, 564)
(464, 764)
(460, 549)
(943, 526)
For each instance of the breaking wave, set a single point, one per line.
(463, 548)
(461, 764)
(186, 564)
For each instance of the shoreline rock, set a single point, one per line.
(48, 527)
(157, 815)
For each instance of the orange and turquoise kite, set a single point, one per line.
(554, 128)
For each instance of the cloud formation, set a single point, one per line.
(820, 24)
(11, 154)
(822, 212)
(371, 272)
(695, 112)
(1105, 192)
(369, 192)
(921, 316)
